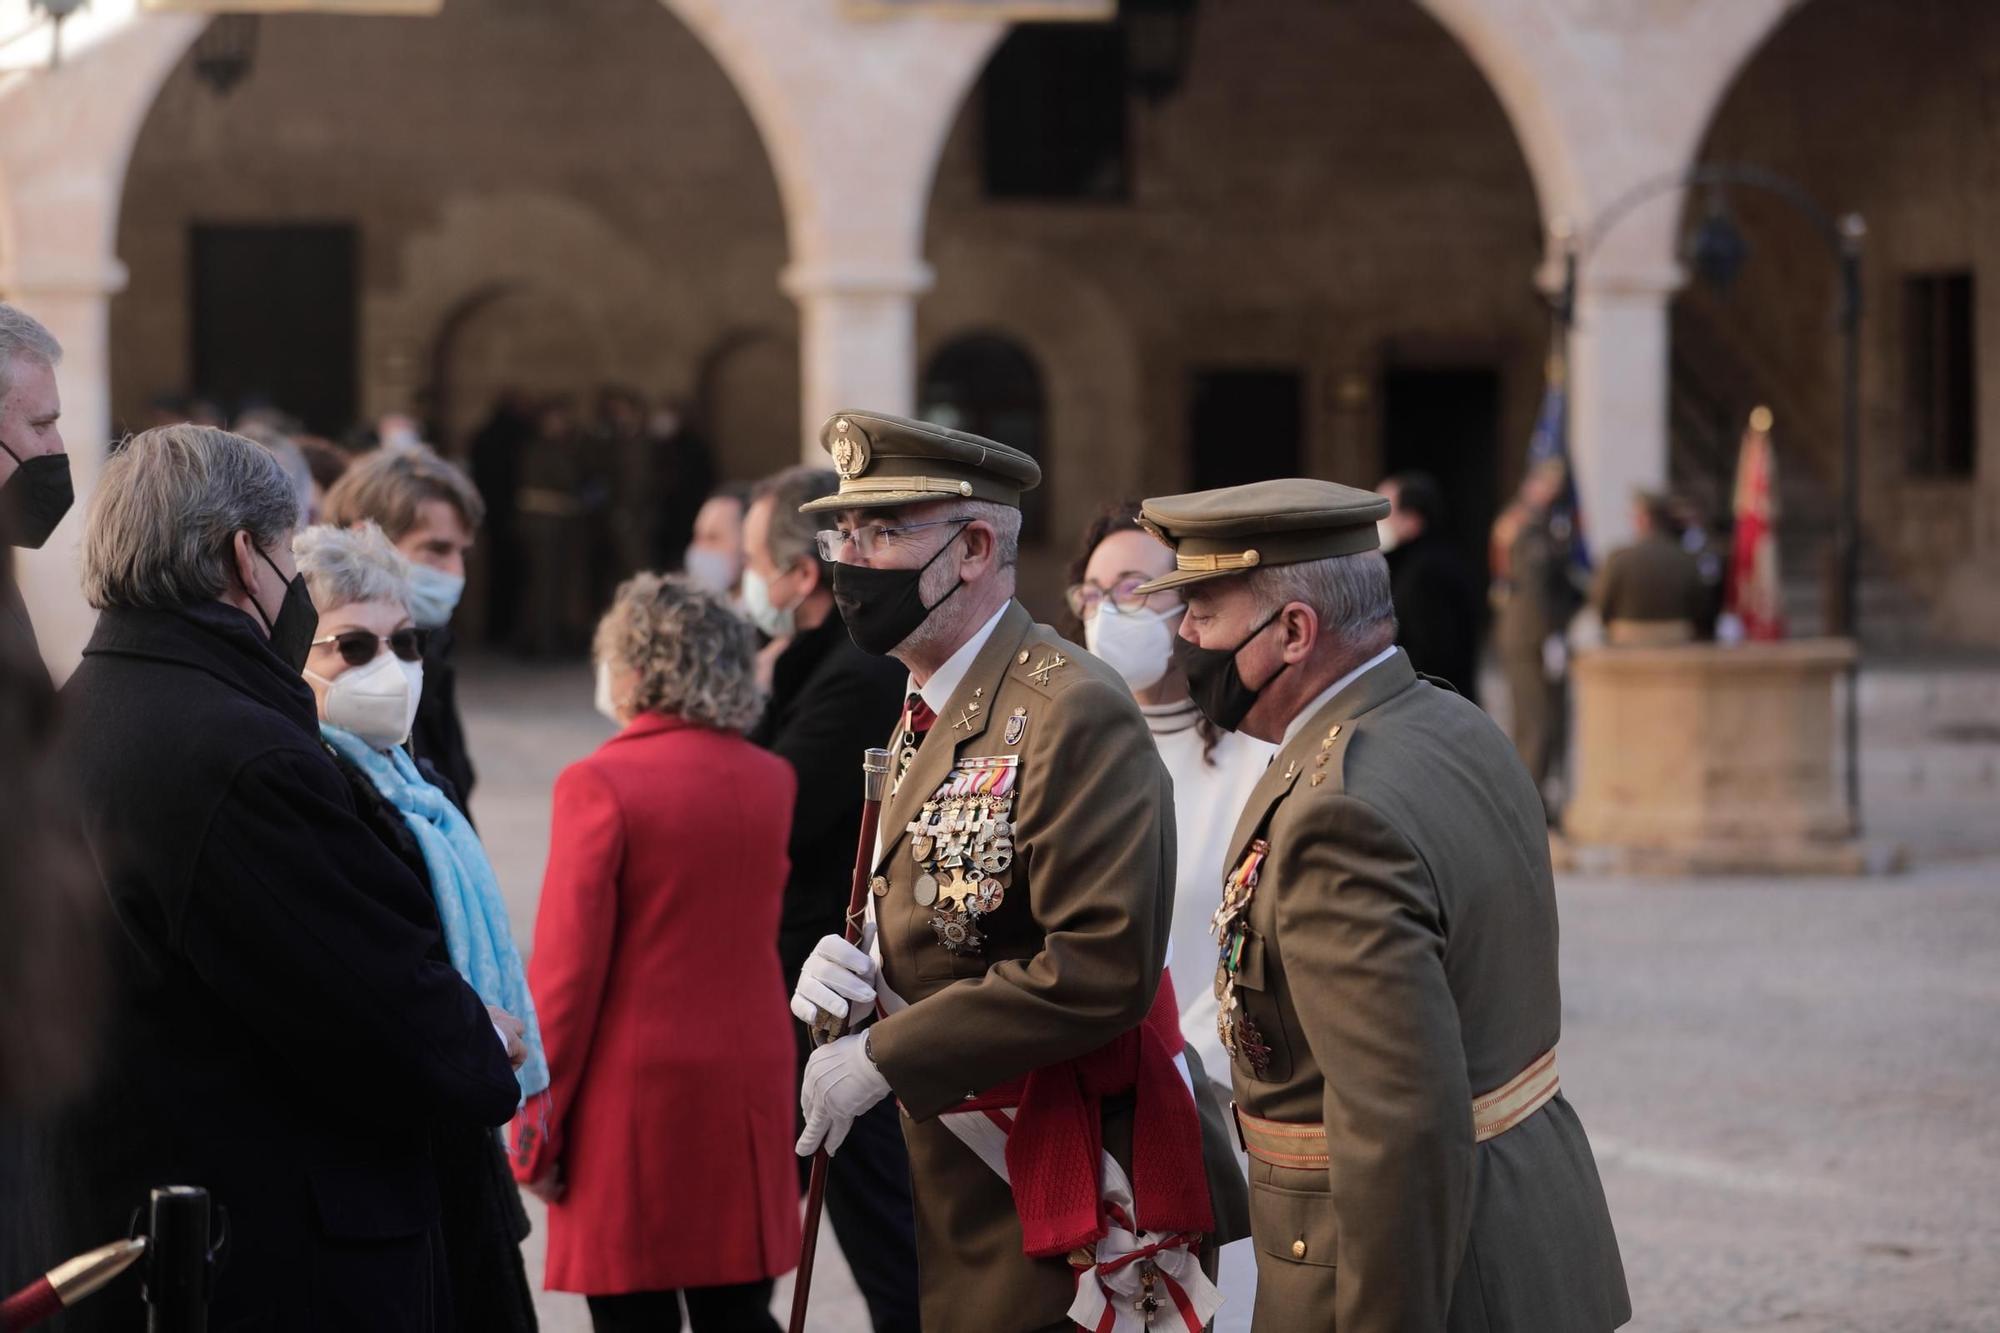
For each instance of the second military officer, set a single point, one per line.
(1387, 937)
(1022, 888)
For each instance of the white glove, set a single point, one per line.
(840, 1083)
(836, 975)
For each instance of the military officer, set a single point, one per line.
(1021, 894)
(1387, 938)
(1651, 592)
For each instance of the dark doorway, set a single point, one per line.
(276, 320)
(986, 383)
(1446, 421)
(1245, 425)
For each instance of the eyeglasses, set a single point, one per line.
(1084, 598)
(359, 647)
(868, 538)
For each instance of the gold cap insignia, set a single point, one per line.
(849, 448)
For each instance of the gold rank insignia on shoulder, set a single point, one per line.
(1017, 726)
(1047, 667)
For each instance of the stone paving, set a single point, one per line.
(1789, 1084)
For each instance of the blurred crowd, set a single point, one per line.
(254, 940)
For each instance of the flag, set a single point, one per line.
(1755, 594)
(1550, 443)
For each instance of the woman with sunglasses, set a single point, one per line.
(366, 671)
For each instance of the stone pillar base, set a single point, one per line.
(1698, 759)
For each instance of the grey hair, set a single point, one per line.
(695, 658)
(166, 508)
(790, 534)
(1005, 521)
(22, 335)
(1350, 593)
(348, 565)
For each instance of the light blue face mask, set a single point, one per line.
(434, 595)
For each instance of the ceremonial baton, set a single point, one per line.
(874, 784)
(69, 1282)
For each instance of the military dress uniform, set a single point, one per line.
(1651, 593)
(1022, 889)
(1388, 991)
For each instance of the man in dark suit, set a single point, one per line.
(829, 702)
(287, 1029)
(1440, 607)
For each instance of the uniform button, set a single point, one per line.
(1299, 1248)
(1022, 659)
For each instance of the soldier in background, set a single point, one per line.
(1388, 992)
(1652, 591)
(1535, 597)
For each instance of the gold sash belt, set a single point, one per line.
(1302, 1147)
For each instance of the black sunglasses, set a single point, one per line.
(359, 647)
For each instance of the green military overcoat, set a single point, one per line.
(1071, 959)
(1399, 958)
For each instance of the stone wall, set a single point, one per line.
(585, 165)
(1888, 108)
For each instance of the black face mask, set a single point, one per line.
(35, 498)
(298, 619)
(1215, 683)
(883, 607)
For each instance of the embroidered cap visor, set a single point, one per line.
(1215, 534)
(885, 461)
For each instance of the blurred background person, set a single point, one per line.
(1652, 591)
(288, 1030)
(1536, 598)
(496, 474)
(1440, 609)
(1213, 771)
(630, 460)
(366, 671)
(664, 1156)
(714, 557)
(829, 702)
(326, 462)
(35, 486)
(550, 507)
(684, 469)
(429, 509)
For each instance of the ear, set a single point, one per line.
(982, 549)
(1299, 626)
(243, 552)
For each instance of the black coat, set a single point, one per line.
(829, 702)
(438, 735)
(1440, 610)
(288, 1030)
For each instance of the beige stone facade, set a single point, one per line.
(776, 206)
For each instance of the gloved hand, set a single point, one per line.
(840, 1083)
(835, 976)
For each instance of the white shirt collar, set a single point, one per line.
(1305, 714)
(946, 679)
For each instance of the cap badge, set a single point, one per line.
(849, 448)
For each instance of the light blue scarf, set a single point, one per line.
(476, 932)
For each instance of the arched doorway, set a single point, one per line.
(1323, 232)
(1886, 109)
(988, 384)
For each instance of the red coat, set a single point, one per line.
(655, 973)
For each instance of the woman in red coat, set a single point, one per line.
(665, 1148)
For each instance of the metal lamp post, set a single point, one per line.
(1717, 251)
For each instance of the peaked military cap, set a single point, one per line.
(885, 460)
(1240, 528)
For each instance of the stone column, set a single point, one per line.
(74, 303)
(857, 340)
(1618, 404)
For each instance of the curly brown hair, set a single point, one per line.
(693, 655)
(1122, 516)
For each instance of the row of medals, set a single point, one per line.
(1230, 926)
(963, 843)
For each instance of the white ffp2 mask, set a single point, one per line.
(1138, 645)
(376, 702)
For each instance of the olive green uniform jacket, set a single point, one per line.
(1654, 582)
(1401, 959)
(1071, 959)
